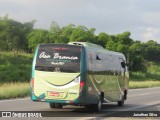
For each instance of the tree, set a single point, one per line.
(124, 38)
(152, 49)
(36, 37)
(123, 49)
(54, 28)
(111, 45)
(13, 34)
(92, 30)
(81, 34)
(54, 32)
(137, 62)
(103, 38)
(16, 36)
(3, 33)
(66, 32)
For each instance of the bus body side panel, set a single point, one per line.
(92, 93)
(104, 76)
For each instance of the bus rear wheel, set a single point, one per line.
(95, 107)
(98, 106)
(58, 105)
(52, 105)
(55, 105)
(121, 102)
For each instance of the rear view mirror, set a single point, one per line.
(123, 64)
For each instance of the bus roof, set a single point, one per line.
(87, 44)
(94, 46)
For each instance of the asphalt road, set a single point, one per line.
(139, 100)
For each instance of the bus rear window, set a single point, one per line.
(58, 58)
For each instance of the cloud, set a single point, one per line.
(111, 16)
(151, 34)
(152, 18)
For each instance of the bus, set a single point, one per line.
(78, 73)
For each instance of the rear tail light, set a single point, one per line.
(32, 83)
(81, 85)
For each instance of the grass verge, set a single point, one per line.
(14, 90)
(143, 84)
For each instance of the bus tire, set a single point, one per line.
(121, 102)
(52, 105)
(125, 95)
(98, 106)
(58, 105)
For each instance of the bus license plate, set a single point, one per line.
(55, 94)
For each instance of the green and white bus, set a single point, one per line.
(78, 73)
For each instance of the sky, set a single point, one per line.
(140, 17)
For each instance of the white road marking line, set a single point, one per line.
(14, 100)
(140, 95)
(128, 109)
(136, 95)
(144, 88)
(158, 107)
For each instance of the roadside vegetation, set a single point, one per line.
(149, 78)
(14, 74)
(143, 84)
(15, 69)
(19, 40)
(14, 90)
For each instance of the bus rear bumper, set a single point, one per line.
(42, 98)
(77, 101)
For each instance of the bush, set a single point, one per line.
(15, 69)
